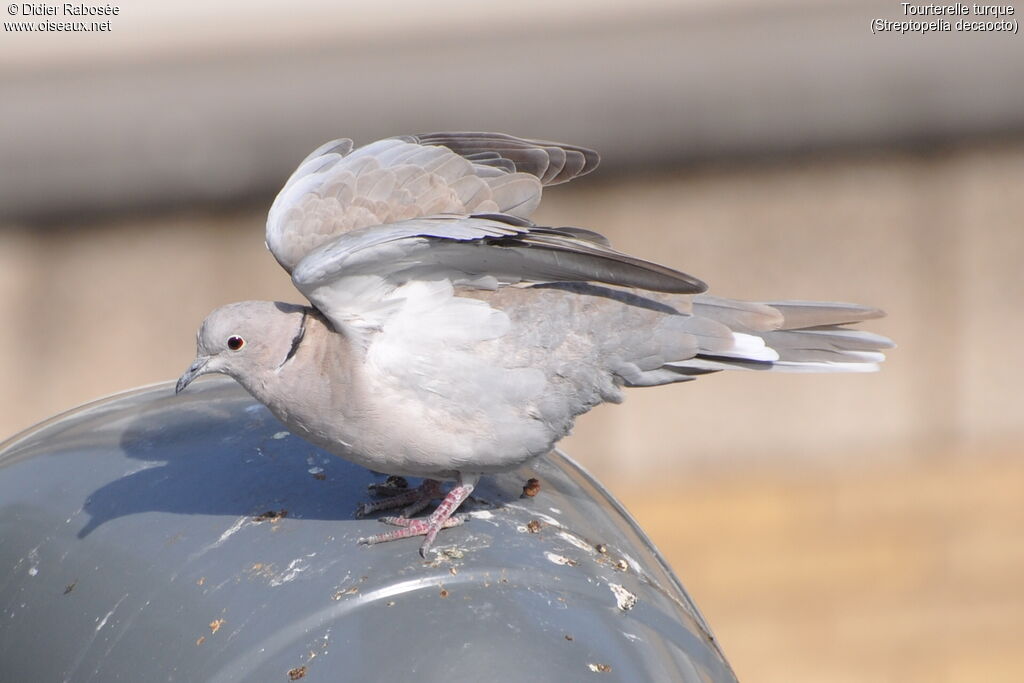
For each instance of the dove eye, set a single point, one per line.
(235, 342)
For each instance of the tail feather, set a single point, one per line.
(830, 344)
(741, 316)
(814, 338)
(798, 315)
(788, 336)
(824, 366)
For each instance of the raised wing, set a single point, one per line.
(336, 189)
(362, 279)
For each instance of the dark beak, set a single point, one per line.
(197, 368)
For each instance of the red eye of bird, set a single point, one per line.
(235, 343)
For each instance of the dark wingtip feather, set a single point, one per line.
(599, 263)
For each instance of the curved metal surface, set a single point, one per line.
(135, 544)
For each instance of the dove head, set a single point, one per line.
(246, 340)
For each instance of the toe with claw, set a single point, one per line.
(441, 518)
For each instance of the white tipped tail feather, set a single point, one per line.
(790, 336)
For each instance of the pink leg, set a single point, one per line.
(440, 518)
(416, 499)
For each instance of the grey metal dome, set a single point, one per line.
(150, 537)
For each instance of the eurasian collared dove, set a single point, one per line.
(450, 337)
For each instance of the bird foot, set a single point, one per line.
(415, 499)
(411, 527)
(441, 518)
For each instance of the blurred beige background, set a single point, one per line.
(832, 528)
